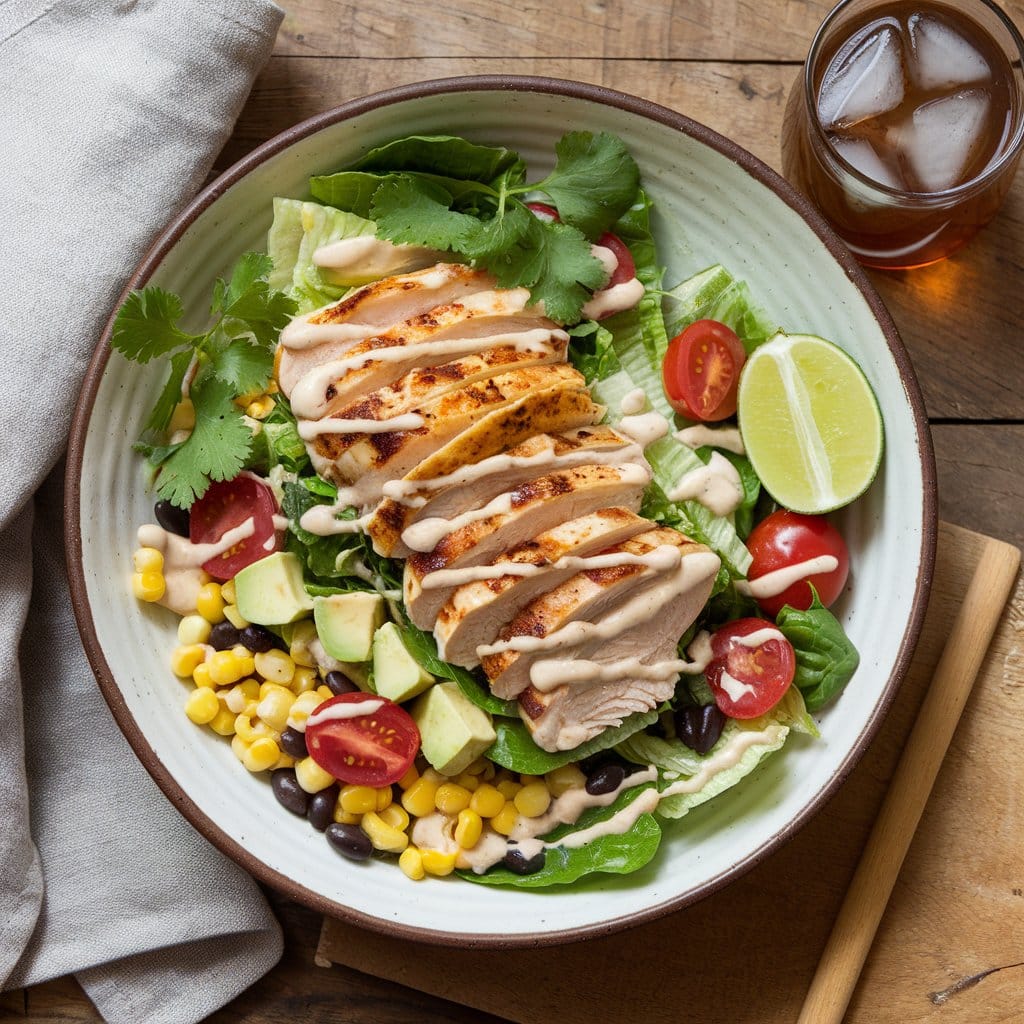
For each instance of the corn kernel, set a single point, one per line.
(468, 830)
(303, 634)
(434, 776)
(202, 706)
(561, 780)
(193, 629)
(383, 836)
(487, 801)
(209, 603)
(261, 408)
(311, 777)
(304, 680)
(451, 798)
(227, 591)
(467, 781)
(505, 820)
(275, 666)
(526, 780)
(148, 560)
(436, 862)
(358, 799)
(418, 799)
(148, 586)
(235, 617)
(411, 863)
(533, 799)
(223, 723)
(250, 731)
(275, 706)
(323, 692)
(284, 761)
(183, 417)
(409, 777)
(241, 695)
(184, 659)
(261, 754)
(303, 706)
(201, 675)
(343, 817)
(226, 667)
(239, 747)
(508, 788)
(395, 815)
(385, 796)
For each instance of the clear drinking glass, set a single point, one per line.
(906, 125)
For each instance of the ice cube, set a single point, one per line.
(942, 58)
(939, 140)
(864, 157)
(864, 79)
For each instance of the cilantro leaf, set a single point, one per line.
(594, 181)
(244, 366)
(147, 325)
(508, 227)
(416, 212)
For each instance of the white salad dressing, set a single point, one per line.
(700, 435)
(321, 520)
(368, 258)
(550, 673)
(183, 561)
(614, 300)
(633, 402)
(717, 486)
(343, 710)
(772, 584)
(309, 429)
(645, 429)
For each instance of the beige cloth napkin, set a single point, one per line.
(111, 113)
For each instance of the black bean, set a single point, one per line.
(257, 639)
(294, 742)
(338, 682)
(289, 793)
(223, 636)
(699, 726)
(321, 808)
(349, 840)
(517, 862)
(605, 779)
(172, 518)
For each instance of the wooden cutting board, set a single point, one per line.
(951, 944)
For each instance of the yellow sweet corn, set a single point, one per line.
(533, 799)
(193, 629)
(202, 706)
(148, 560)
(411, 863)
(148, 586)
(384, 837)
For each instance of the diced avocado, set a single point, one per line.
(346, 623)
(270, 592)
(397, 675)
(454, 732)
(360, 672)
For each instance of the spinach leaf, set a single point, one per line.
(445, 155)
(609, 854)
(825, 657)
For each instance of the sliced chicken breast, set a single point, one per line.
(474, 484)
(591, 609)
(510, 519)
(476, 611)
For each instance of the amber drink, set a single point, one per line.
(907, 124)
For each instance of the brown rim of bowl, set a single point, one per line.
(170, 235)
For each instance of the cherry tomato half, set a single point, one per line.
(625, 269)
(702, 370)
(362, 739)
(786, 539)
(224, 506)
(751, 668)
(543, 211)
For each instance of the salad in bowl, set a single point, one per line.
(490, 547)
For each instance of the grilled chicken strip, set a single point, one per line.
(476, 611)
(511, 519)
(585, 605)
(474, 484)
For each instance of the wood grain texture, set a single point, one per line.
(749, 951)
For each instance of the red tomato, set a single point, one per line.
(786, 538)
(542, 211)
(625, 269)
(748, 679)
(365, 746)
(702, 369)
(224, 506)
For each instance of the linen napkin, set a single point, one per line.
(111, 113)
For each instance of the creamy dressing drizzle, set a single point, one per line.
(183, 561)
(343, 710)
(371, 258)
(644, 429)
(633, 402)
(661, 558)
(717, 486)
(642, 607)
(774, 583)
(308, 429)
(734, 688)
(614, 300)
(309, 397)
(280, 522)
(320, 519)
(717, 437)
(550, 673)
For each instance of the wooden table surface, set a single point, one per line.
(729, 64)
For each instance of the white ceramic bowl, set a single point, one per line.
(714, 203)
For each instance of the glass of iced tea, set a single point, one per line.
(907, 124)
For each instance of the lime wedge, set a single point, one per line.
(810, 423)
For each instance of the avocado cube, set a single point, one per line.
(270, 592)
(397, 675)
(454, 732)
(346, 623)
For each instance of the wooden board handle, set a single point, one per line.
(869, 892)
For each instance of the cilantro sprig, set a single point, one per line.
(417, 199)
(234, 356)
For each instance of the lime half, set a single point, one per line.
(810, 423)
